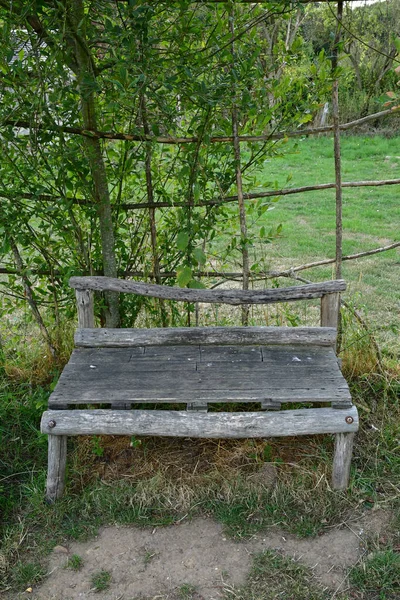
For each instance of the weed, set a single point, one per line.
(378, 575)
(75, 562)
(274, 576)
(149, 555)
(100, 581)
(135, 443)
(97, 448)
(26, 574)
(187, 591)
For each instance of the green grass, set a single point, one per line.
(186, 591)
(379, 575)
(274, 576)
(101, 581)
(371, 218)
(75, 563)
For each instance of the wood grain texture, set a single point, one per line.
(85, 307)
(241, 354)
(187, 336)
(342, 459)
(198, 424)
(187, 374)
(330, 310)
(235, 297)
(57, 461)
(181, 374)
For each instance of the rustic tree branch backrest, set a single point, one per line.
(328, 291)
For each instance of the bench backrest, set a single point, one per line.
(328, 291)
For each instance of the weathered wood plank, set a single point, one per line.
(342, 458)
(277, 358)
(330, 310)
(84, 304)
(173, 353)
(157, 380)
(57, 460)
(87, 356)
(207, 425)
(115, 369)
(76, 393)
(235, 297)
(230, 353)
(321, 336)
(148, 370)
(211, 376)
(290, 353)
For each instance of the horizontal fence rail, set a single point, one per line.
(142, 137)
(199, 204)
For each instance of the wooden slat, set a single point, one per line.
(231, 354)
(203, 425)
(102, 391)
(57, 462)
(172, 353)
(85, 307)
(330, 310)
(342, 460)
(235, 297)
(88, 356)
(289, 353)
(139, 368)
(323, 336)
(210, 376)
(291, 374)
(291, 356)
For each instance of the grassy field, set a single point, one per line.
(160, 480)
(371, 219)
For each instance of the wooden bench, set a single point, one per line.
(198, 367)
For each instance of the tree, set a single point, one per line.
(152, 71)
(370, 47)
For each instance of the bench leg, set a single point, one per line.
(342, 460)
(56, 467)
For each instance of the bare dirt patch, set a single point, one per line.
(166, 562)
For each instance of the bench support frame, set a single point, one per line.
(342, 460)
(342, 421)
(57, 457)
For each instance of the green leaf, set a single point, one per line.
(182, 240)
(183, 275)
(197, 285)
(196, 192)
(199, 256)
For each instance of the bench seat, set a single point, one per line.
(201, 374)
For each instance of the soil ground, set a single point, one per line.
(163, 563)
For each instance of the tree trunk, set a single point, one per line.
(85, 73)
(239, 184)
(30, 297)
